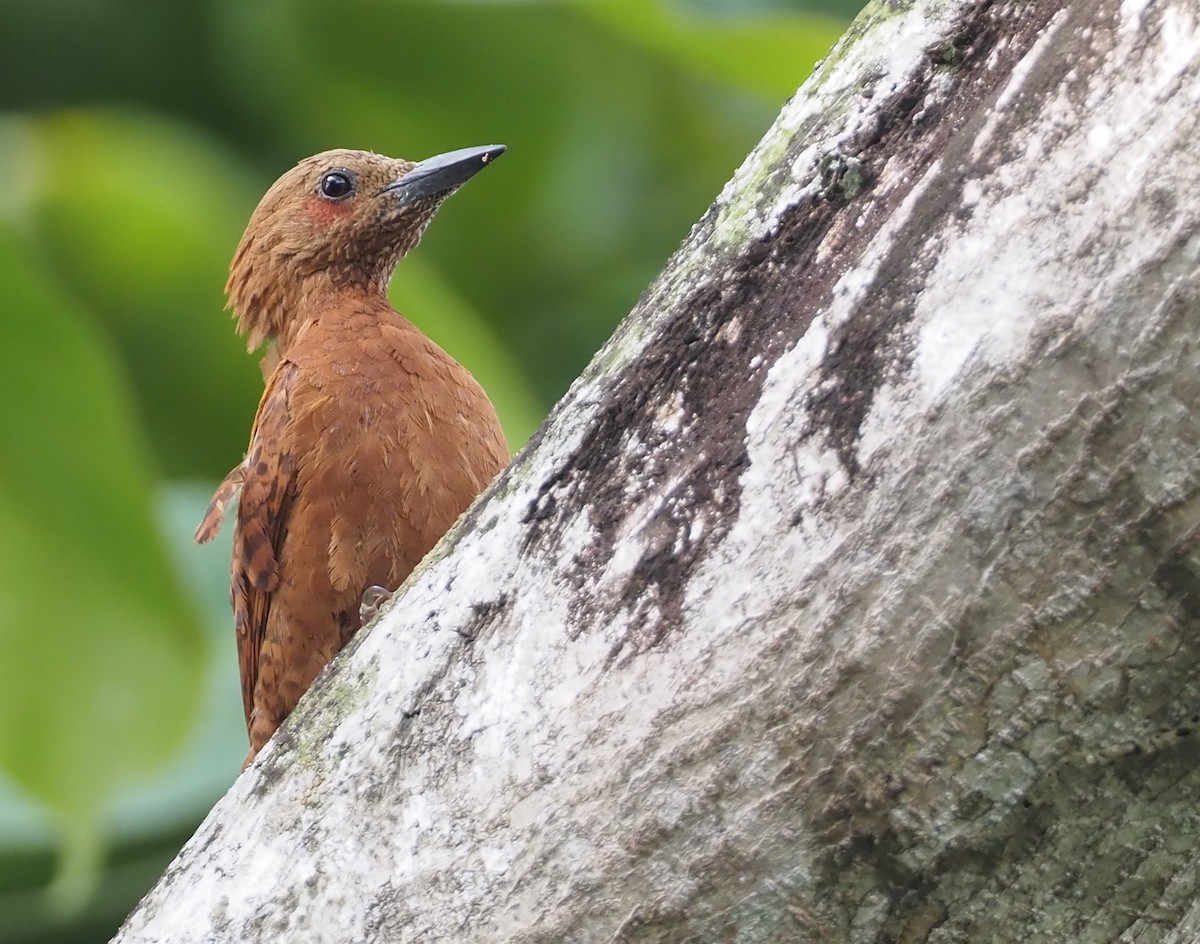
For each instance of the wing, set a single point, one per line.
(268, 490)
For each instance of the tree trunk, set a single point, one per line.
(853, 593)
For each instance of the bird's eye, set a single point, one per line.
(337, 185)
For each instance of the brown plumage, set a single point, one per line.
(369, 441)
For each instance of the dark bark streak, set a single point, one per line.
(711, 354)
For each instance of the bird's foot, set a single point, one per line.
(373, 600)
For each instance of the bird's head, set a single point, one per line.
(337, 219)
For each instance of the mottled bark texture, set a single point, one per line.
(853, 594)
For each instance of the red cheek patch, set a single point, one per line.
(322, 212)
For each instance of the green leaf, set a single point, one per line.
(767, 53)
(139, 218)
(102, 653)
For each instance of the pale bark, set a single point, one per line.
(851, 595)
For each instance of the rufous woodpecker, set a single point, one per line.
(369, 441)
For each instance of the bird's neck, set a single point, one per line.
(370, 303)
(317, 304)
(275, 311)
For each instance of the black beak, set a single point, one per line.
(443, 173)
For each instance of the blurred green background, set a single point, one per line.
(135, 138)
